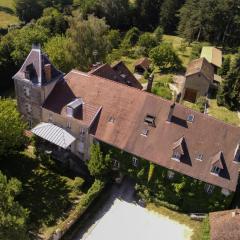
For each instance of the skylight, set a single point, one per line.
(150, 120)
(145, 132)
(190, 118)
(199, 157)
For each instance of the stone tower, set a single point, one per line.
(33, 83)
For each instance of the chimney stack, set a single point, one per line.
(48, 72)
(150, 83)
(170, 114)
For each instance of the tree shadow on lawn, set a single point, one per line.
(6, 10)
(46, 195)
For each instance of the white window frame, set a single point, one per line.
(68, 125)
(199, 157)
(176, 156)
(209, 188)
(215, 170)
(135, 161)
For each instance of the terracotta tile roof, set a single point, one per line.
(225, 225)
(213, 55)
(129, 107)
(126, 74)
(202, 66)
(143, 62)
(36, 60)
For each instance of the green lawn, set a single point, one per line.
(7, 13)
(218, 112)
(177, 42)
(200, 229)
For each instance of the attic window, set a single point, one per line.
(190, 118)
(237, 154)
(123, 75)
(111, 119)
(145, 132)
(199, 157)
(150, 120)
(176, 156)
(215, 170)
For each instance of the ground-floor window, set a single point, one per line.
(208, 188)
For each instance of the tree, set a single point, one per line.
(165, 57)
(53, 20)
(89, 43)
(229, 92)
(147, 14)
(12, 215)
(27, 10)
(131, 37)
(147, 41)
(158, 32)
(225, 66)
(168, 15)
(116, 13)
(98, 165)
(12, 138)
(57, 50)
(114, 38)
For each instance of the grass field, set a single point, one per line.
(7, 14)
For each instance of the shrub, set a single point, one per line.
(201, 103)
(147, 41)
(158, 32)
(131, 38)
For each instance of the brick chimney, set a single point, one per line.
(150, 82)
(48, 72)
(170, 114)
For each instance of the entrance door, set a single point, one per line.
(190, 95)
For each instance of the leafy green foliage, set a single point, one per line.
(147, 41)
(165, 57)
(98, 165)
(151, 171)
(12, 128)
(131, 37)
(114, 38)
(225, 66)
(229, 92)
(57, 50)
(89, 43)
(201, 103)
(158, 32)
(13, 216)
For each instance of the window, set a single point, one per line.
(111, 119)
(134, 161)
(190, 118)
(237, 154)
(199, 157)
(176, 156)
(28, 108)
(30, 124)
(170, 174)
(150, 120)
(145, 132)
(82, 134)
(69, 125)
(116, 164)
(26, 91)
(215, 170)
(80, 147)
(50, 118)
(208, 188)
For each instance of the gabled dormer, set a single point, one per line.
(237, 154)
(217, 163)
(178, 149)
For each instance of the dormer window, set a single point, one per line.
(74, 106)
(199, 157)
(68, 125)
(176, 156)
(215, 170)
(134, 161)
(190, 118)
(150, 120)
(237, 154)
(145, 132)
(111, 119)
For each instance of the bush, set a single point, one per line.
(158, 32)
(162, 91)
(147, 41)
(201, 103)
(114, 38)
(131, 38)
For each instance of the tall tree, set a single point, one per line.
(229, 93)
(12, 128)
(12, 215)
(168, 15)
(89, 43)
(147, 14)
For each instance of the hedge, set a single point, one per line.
(78, 211)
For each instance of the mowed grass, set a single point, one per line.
(200, 229)
(7, 13)
(178, 43)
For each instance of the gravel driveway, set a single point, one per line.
(122, 219)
